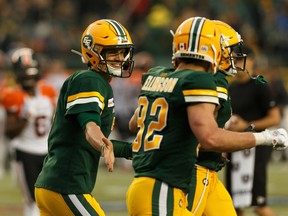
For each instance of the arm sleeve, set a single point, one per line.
(85, 93)
(122, 149)
(85, 117)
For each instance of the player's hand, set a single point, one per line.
(108, 154)
(236, 123)
(277, 138)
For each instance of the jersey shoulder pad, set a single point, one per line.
(198, 80)
(199, 87)
(47, 90)
(156, 71)
(13, 99)
(221, 80)
(221, 85)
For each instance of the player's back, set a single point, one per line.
(165, 147)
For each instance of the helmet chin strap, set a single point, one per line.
(114, 71)
(118, 71)
(230, 72)
(259, 79)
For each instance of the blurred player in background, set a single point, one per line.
(30, 109)
(209, 196)
(84, 118)
(254, 104)
(176, 112)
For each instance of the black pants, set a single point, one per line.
(30, 167)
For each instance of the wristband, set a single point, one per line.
(260, 138)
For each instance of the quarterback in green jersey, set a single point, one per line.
(83, 120)
(176, 112)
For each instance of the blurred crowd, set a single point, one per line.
(53, 26)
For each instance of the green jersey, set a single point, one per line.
(212, 160)
(225, 111)
(165, 147)
(72, 163)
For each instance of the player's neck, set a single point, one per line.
(194, 67)
(30, 92)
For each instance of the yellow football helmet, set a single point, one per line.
(198, 38)
(104, 35)
(231, 44)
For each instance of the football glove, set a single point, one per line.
(278, 138)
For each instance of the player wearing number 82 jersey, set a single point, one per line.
(164, 151)
(165, 96)
(175, 106)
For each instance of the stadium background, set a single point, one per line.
(53, 27)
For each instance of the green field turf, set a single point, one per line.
(111, 188)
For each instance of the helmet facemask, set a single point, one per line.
(117, 67)
(236, 56)
(231, 46)
(231, 55)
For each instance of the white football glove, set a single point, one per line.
(278, 138)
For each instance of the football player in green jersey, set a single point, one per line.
(211, 197)
(84, 118)
(176, 112)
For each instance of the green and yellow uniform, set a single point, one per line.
(164, 151)
(207, 193)
(70, 168)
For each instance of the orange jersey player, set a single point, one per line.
(30, 109)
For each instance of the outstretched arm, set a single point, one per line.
(122, 149)
(212, 138)
(97, 139)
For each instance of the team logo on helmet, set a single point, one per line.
(87, 41)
